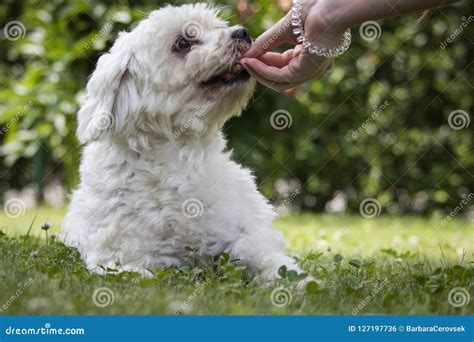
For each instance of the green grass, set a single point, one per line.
(387, 265)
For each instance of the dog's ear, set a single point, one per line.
(112, 99)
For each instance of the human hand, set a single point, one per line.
(324, 22)
(284, 71)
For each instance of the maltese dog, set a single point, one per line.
(157, 182)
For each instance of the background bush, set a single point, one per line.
(406, 156)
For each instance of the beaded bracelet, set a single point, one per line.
(298, 30)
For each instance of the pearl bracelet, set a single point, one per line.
(298, 30)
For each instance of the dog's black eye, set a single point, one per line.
(183, 44)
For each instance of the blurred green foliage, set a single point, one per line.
(406, 156)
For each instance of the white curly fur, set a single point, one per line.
(155, 173)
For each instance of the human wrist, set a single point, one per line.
(325, 20)
(316, 31)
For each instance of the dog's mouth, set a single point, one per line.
(235, 75)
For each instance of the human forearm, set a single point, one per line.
(348, 13)
(325, 24)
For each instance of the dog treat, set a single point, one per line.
(237, 68)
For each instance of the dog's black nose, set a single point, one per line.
(243, 34)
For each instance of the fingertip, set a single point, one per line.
(252, 52)
(248, 62)
(256, 50)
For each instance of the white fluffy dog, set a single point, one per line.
(156, 178)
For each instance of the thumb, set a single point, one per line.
(277, 35)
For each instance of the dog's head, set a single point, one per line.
(175, 74)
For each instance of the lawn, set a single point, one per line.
(385, 265)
